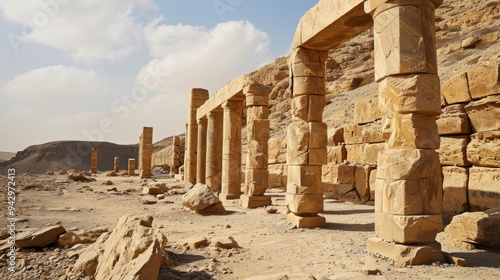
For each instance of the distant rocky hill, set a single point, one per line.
(64, 155)
(5, 156)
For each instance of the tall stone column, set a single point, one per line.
(145, 152)
(214, 149)
(408, 200)
(176, 151)
(197, 97)
(131, 167)
(116, 164)
(93, 165)
(307, 138)
(202, 150)
(256, 173)
(231, 150)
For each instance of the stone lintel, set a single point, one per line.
(331, 23)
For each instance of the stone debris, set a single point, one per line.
(470, 229)
(152, 190)
(224, 242)
(202, 200)
(72, 238)
(149, 200)
(196, 242)
(134, 250)
(79, 177)
(39, 237)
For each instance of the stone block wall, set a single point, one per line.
(469, 130)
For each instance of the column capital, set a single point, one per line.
(202, 120)
(232, 104)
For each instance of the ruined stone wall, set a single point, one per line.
(469, 129)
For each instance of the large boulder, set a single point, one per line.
(134, 250)
(72, 238)
(39, 237)
(469, 229)
(202, 200)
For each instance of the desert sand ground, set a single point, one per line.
(268, 245)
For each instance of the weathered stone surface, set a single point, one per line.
(405, 254)
(214, 149)
(484, 81)
(71, 238)
(256, 181)
(336, 154)
(94, 160)
(152, 190)
(407, 229)
(484, 114)
(305, 221)
(484, 149)
(134, 250)
(304, 203)
(469, 229)
(79, 177)
(201, 199)
(231, 150)
(196, 242)
(484, 188)
(372, 133)
(149, 199)
(298, 142)
(335, 136)
(356, 153)
(330, 173)
(410, 197)
(453, 120)
(372, 152)
(455, 183)
(361, 181)
(39, 237)
(304, 176)
(453, 150)
(456, 89)
(408, 164)
(131, 167)
(308, 107)
(345, 193)
(414, 131)
(353, 134)
(367, 110)
(411, 94)
(405, 40)
(201, 151)
(372, 180)
(346, 174)
(254, 201)
(224, 242)
(276, 175)
(117, 164)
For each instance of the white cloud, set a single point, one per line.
(91, 30)
(17, 113)
(56, 83)
(188, 56)
(77, 120)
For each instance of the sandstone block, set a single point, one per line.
(298, 142)
(469, 229)
(304, 176)
(336, 154)
(254, 201)
(308, 85)
(308, 107)
(414, 131)
(152, 190)
(257, 113)
(372, 133)
(411, 94)
(346, 174)
(200, 198)
(484, 188)
(453, 120)
(257, 100)
(317, 156)
(330, 173)
(372, 152)
(453, 150)
(306, 221)
(304, 203)
(256, 181)
(455, 181)
(456, 89)
(258, 130)
(404, 41)
(484, 149)
(405, 254)
(224, 242)
(276, 176)
(346, 193)
(372, 180)
(356, 153)
(366, 111)
(484, 81)
(407, 229)
(484, 114)
(408, 164)
(318, 137)
(39, 237)
(410, 197)
(353, 134)
(335, 136)
(257, 156)
(361, 181)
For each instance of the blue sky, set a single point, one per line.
(100, 70)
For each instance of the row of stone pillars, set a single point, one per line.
(213, 145)
(116, 163)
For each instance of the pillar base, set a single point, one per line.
(406, 254)
(254, 201)
(306, 222)
(227, 196)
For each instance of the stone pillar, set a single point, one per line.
(116, 165)
(307, 138)
(214, 149)
(95, 156)
(202, 150)
(231, 150)
(131, 167)
(145, 152)
(256, 173)
(196, 98)
(408, 199)
(176, 155)
(184, 163)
